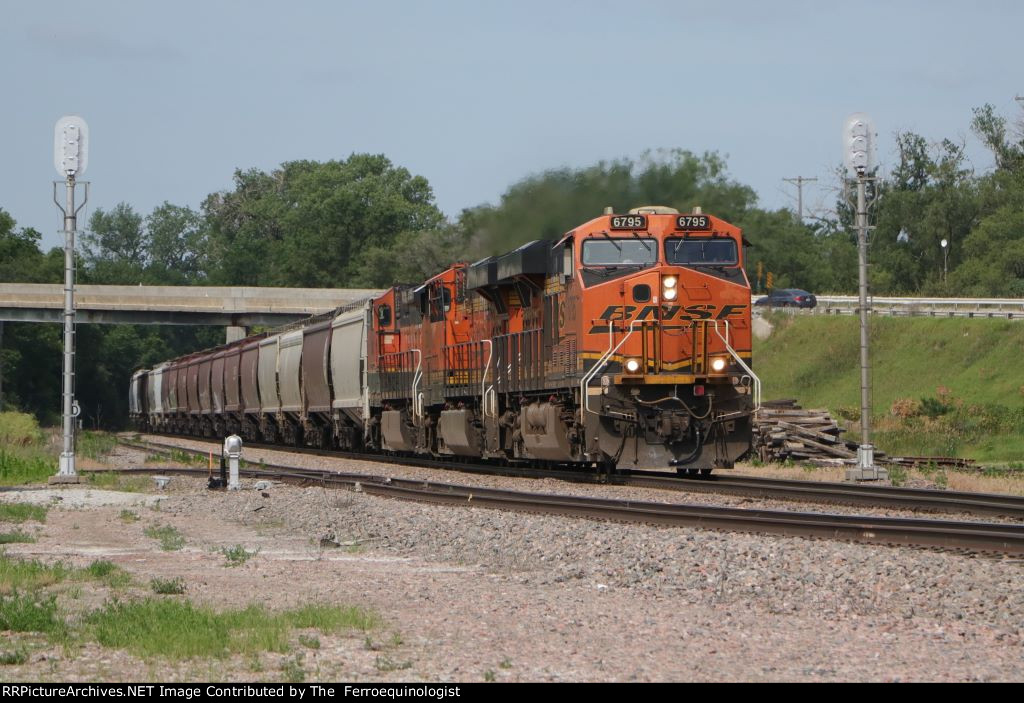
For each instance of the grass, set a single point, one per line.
(941, 387)
(154, 627)
(168, 587)
(17, 537)
(21, 466)
(116, 481)
(95, 445)
(237, 555)
(171, 540)
(18, 655)
(180, 630)
(129, 516)
(22, 512)
(19, 430)
(31, 612)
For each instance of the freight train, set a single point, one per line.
(626, 344)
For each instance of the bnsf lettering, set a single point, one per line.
(619, 313)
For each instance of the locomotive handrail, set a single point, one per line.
(417, 410)
(750, 372)
(588, 377)
(483, 381)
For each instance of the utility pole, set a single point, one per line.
(859, 156)
(799, 182)
(70, 157)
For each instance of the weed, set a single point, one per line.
(897, 475)
(101, 568)
(933, 407)
(129, 516)
(506, 663)
(108, 572)
(237, 555)
(18, 574)
(16, 538)
(95, 445)
(113, 480)
(30, 612)
(396, 640)
(292, 670)
(19, 430)
(370, 645)
(255, 663)
(171, 540)
(19, 467)
(385, 663)
(168, 587)
(14, 656)
(489, 676)
(20, 512)
(941, 479)
(309, 641)
(329, 618)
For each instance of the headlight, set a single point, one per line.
(633, 365)
(718, 364)
(670, 293)
(669, 282)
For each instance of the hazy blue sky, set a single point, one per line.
(476, 95)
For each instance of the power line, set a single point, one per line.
(799, 182)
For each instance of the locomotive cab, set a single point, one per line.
(664, 319)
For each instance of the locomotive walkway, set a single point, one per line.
(228, 306)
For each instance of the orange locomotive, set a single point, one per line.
(626, 344)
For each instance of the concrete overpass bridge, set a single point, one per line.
(224, 306)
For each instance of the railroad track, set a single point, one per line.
(944, 534)
(987, 504)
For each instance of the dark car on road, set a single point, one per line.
(788, 298)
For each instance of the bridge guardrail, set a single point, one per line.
(1004, 308)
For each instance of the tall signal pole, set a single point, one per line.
(859, 157)
(799, 182)
(70, 157)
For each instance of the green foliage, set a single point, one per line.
(237, 555)
(177, 629)
(9, 657)
(30, 612)
(965, 371)
(547, 205)
(19, 430)
(306, 223)
(168, 587)
(30, 575)
(17, 537)
(933, 407)
(20, 512)
(171, 540)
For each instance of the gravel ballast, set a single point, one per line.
(480, 594)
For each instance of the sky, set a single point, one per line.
(477, 95)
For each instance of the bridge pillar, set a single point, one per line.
(236, 333)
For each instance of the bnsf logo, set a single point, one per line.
(620, 313)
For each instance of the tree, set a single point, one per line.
(547, 205)
(307, 223)
(116, 236)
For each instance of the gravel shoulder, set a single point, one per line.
(476, 594)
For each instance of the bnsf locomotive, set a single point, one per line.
(625, 344)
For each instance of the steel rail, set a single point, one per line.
(974, 536)
(993, 504)
(988, 504)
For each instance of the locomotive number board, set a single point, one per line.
(629, 222)
(693, 223)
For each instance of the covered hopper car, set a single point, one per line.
(625, 344)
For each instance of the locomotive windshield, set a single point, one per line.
(701, 251)
(615, 251)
